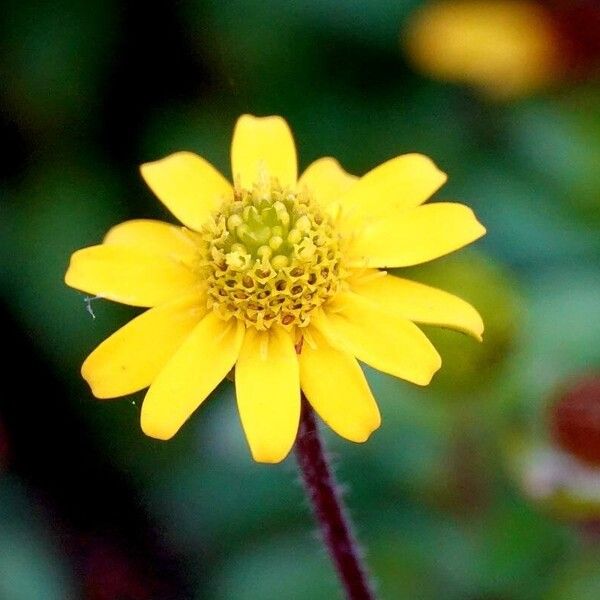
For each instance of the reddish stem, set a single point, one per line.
(329, 509)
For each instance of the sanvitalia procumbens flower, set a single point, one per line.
(280, 278)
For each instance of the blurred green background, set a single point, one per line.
(460, 494)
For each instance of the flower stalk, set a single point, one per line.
(328, 508)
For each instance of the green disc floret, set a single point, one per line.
(271, 256)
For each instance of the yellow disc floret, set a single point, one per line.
(270, 256)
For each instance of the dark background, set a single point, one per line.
(461, 493)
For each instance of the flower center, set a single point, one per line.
(271, 257)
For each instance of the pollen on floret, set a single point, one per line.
(269, 256)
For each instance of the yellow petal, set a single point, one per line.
(189, 186)
(131, 358)
(416, 236)
(153, 236)
(327, 182)
(129, 275)
(267, 386)
(337, 389)
(399, 184)
(379, 338)
(200, 364)
(263, 147)
(420, 303)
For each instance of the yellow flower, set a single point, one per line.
(507, 48)
(279, 277)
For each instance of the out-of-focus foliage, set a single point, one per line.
(441, 492)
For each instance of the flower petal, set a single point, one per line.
(268, 393)
(379, 338)
(343, 401)
(415, 236)
(202, 361)
(129, 275)
(396, 185)
(263, 147)
(153, 236)
(189, 186)
(327, 182)
(132, 357)
(420, 303)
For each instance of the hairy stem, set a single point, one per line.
(328, 508)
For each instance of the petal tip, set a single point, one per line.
(250, 120)
(99, 393)
(365, 433)
(427, 376)
(154, 429)
(149, 165)
(477, 327)
(429, 168)
(98, 390)
(442, 176)
(249, 117)
(267, 456)
(433, 363)
(68, 277)
(480, 229)
(146, 168)
(88, 376)
(75, 275)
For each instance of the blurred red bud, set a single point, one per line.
(575, 419)
(577, 25)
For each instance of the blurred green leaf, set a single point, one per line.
(30, 561)
(57, 56)
(560, 144)
(580, 579)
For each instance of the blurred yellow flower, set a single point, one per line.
(506, 48)
(279, 277)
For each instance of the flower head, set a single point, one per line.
(280, 278)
